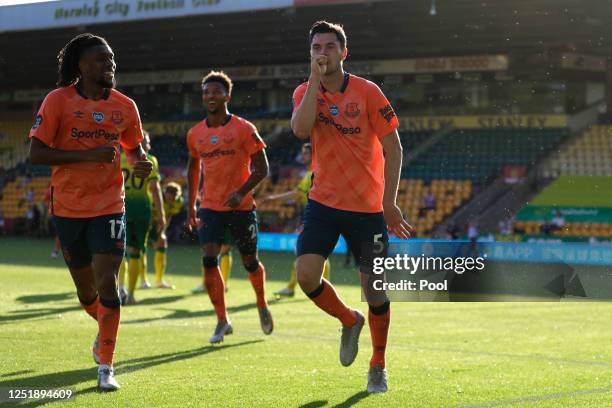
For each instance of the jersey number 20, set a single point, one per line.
(130, 181)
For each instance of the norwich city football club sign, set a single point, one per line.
(67, 13)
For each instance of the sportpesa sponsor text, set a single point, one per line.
(93, 134)
(344, 130)
(217, 153)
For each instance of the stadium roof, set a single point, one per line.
(376, 30)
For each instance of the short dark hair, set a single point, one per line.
(69, 57)
(323, 26)
(219, 77)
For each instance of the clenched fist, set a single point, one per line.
(318, 65)
(103, 154)
(142, 167)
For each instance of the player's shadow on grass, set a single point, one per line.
(350, 401)
(47, 297)
(69, 379)
(158, 300)
(190, 314)
(26, 314)
(353, 399)
(314, 404)
(14, 373)
(16, 316)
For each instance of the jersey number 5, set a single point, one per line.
(379, 245)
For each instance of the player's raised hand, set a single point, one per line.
(103, 154)
(234, 200)
(142, 166)
(318, 65)
(396, 223)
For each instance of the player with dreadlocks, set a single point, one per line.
(78, 131)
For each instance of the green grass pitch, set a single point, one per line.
(439, 355)
(577, 191)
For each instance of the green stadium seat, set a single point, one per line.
(480, 154)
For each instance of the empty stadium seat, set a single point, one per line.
(411, 140)
(14, 143)
(13, 204)
(449, 196)
(479, 154)
(588, 155)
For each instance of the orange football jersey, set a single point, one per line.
(348, 161)
(68, 120)
(225, 152)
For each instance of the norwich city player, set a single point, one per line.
(357, 162)
(78, 130)
(299, 194)
(140, 196)
(173, 204)
(231, 154)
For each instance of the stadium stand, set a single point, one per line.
(596, 230)
(589, 155)
(170, 150)
(283, 150)
(411, 139)
(428, 77)
(449, 169)
(278, 216)
(480, 154)
(449, 196)
(15, 201)
(13, 143)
